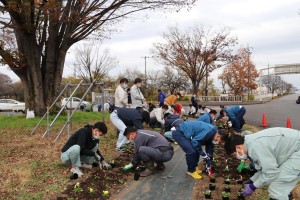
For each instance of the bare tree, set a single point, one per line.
(173, 80)
(93, 65)
(5, 85)
(197, 51)
(272, 82)
(36, 35)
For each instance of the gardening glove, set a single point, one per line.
(205, 156)
(249, 189)
(241, 166)
(105, 165)
(97, 157)
(229, 124)
(128, 167)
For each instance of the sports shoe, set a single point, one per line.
(198, 171)
(160, 166)
(76, 170)
(195, 175)
(86, 166)
(120, 150)
(147, 172)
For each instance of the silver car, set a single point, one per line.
(11, 104)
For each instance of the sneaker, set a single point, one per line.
(86, 166)
(160, 166)
(198, 171)
(195, 175)
(147, 172)
(120, 150)
(76, 170)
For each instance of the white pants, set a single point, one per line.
(119, 124)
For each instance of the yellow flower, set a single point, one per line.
(105, 192)
(91, 190)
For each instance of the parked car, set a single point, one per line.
(75, 102)
(11, 104)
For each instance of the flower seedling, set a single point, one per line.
(77, 188)
(225, 195)
(227, 181)
(212, 179)
(105, 193)
(91, 190)
(207, 194)
(240, 181)
(240, 196)
(227, 188)
(212, 186)
(226, 169)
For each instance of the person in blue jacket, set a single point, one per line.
(191, 136)
(208, 117)
(161, 98)
(236, 116)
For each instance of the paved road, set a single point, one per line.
(277, 111)
(172, 184)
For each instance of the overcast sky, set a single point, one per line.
(270, 27)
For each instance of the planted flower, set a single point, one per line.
(212, 179)
(91, 190)
(240, 181)
(207, 194)
(212, 186)
(226, 169)
(227, 188)
(105, 193)
(227, 181)
(225, 195)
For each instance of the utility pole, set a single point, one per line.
(145, 58)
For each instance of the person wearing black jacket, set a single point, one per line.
(171, 121)
(82, 148)
(123, 117)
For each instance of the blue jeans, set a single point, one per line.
(238, 122)
(191, 154)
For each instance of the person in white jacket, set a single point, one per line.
(157, 117)
(275, 153)
(137, 97)
(121, 97)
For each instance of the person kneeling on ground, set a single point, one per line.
(82, 148)
(156, 117)
(191, 136)
(275, 153)
(149, 147)
(208, 117)
(171, 121)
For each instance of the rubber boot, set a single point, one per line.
(198, 171)
(150, 169)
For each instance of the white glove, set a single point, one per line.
(105, 165)
(229, 124)
(173, 129)
(205, 156)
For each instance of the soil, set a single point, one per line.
(221, 160)
(98, 181)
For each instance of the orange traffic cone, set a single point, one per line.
(264, 120)
(288, 123)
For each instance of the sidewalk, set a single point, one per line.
(172, 184)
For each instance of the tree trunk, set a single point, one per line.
(41, 77)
